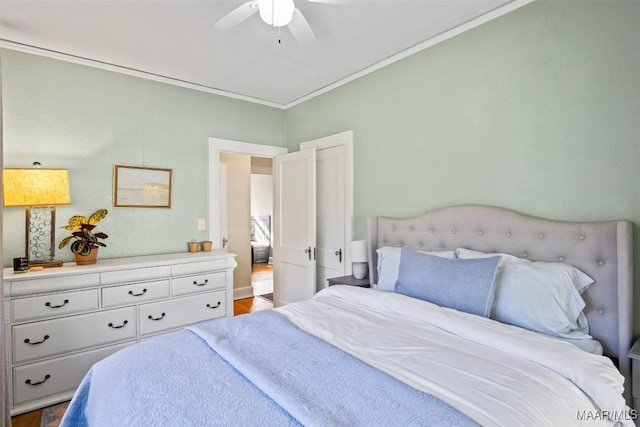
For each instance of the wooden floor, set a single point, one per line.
(262, 279)
(241, 306)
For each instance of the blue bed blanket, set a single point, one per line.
(251, 370)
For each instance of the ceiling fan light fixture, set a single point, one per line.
(276, 13)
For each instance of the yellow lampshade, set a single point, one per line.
(35, 187)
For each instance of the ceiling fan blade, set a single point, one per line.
(236, 16)
(301, 29)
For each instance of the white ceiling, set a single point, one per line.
(176, 40)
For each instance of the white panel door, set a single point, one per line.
(334, 160)
(294, 227)
(330, 215)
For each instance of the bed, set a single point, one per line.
(354, 356)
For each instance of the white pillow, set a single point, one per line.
(389, 264)
(539, 296)
(581, 280)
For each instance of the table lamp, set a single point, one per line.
(359, 259)
(39, 190)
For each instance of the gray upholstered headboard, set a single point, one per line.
(603, 250)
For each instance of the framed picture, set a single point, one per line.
(141, 187)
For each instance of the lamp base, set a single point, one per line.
(40, 236)
(359, 270)
(45, 264)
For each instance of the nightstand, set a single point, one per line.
(634, 355)
(352, 281)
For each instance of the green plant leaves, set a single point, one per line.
(97, 216)
(65, 242)
(75, 222)
(81, 247)
(81, 230)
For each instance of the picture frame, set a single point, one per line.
(141, 187)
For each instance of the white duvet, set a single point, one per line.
(497, 374)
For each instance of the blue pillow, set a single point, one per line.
(463, 284)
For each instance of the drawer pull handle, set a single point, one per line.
(201, 284)
(118, 327)
(46, 377)
(48, 304)
(144, 291)
(214, 306)
(28, 341)
(156, 318)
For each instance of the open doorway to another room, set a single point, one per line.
(230, 183)
(261, 227)
(230, 206)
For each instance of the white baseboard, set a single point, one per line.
(240, 293)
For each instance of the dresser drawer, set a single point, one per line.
(54, 305)
(160, 316)
(53, 284)
(198, 267)
(135, 275)
(137, 292)
(43, 379)
(51, 337)
(198, 283)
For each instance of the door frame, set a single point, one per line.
(341, 139)
(217, 146)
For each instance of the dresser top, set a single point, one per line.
(103, 265)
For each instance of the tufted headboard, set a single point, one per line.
(603, 250)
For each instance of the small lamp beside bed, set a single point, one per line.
(359, 259)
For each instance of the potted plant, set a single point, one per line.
(85, 241)
(206, 245)
(194, 246)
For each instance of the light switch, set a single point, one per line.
(202, 224)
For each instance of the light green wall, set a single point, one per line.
(85, 119)
(536, 111)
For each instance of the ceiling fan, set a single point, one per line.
(276, 13)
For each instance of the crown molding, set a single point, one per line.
(48, 53)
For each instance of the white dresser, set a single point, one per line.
(60, 321)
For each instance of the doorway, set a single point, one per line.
(335, 244)
(242, 287)
(261, 227)
(246, 209)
